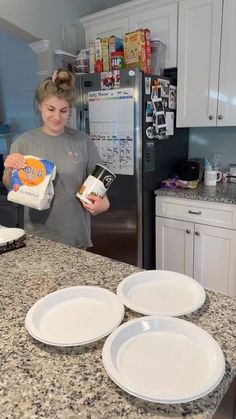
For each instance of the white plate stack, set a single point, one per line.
(163, 359)
(11, 239)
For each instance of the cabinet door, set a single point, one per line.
(198, 62)
(227, 84)
(162, 22)
(215, 258)
(106, 28)
(174, 245)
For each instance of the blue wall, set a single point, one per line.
(204, 142)
(18, 81)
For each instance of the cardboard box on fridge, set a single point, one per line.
(92, 57)
(148, 48)
(115, 44)
(137, 49)
(105, 54)
(98, 55)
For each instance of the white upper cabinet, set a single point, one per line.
(227, 78)
(103, 29)
(162, 23)
(206, 63)
(161, 17)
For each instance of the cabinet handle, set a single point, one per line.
(194, 212)
(188, 231)
(197, 233)
(220, 116)
(211, 117)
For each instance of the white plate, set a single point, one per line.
(163, 293)
(74, 316)
(163, 359)
(8, 235)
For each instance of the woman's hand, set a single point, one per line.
(14, 161)
(98, 205)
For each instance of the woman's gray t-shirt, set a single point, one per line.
(75, 155)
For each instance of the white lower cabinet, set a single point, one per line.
(174, 245)
(205, 252)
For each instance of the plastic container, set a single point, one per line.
(97, 183)
(117, 60)
(232, 173)
(69, 37)
(64, 59)
(82, 62)
(158, 54)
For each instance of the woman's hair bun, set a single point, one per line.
(60, 84)
(63, 79)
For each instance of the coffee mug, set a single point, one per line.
(211, 177)
(97, 183)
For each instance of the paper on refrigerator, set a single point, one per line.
(111, 119)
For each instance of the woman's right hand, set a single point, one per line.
(14, 161)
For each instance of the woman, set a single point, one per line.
(75, 155)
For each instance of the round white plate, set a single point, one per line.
(163, 293)
(74, 316)
(8, 235)
(163, 359)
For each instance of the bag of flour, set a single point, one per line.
(32, 186)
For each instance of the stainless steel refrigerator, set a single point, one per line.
(127, 231)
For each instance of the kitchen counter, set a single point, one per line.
(40, 381)
(223, 193)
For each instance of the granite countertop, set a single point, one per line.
(224, 193)
(40, 381)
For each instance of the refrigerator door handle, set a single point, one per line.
(79, 121)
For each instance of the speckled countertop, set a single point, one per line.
(40, 381)
(223, 193)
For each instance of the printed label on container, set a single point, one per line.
(91, 186)
(32, 185)
(96, 183)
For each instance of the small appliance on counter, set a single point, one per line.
(232, 173)
(192, 169)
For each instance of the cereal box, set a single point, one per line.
(115, 44)
(105, 54)
(137, 49)
(98, 55)
(148, 48)
(92, 57)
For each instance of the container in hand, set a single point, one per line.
(97, 183)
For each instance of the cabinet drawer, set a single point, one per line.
(209, 213)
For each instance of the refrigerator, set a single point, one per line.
(115, 112)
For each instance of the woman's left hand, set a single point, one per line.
(98, 204)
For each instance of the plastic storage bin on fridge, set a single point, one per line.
(64, 59)
(158, 57)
